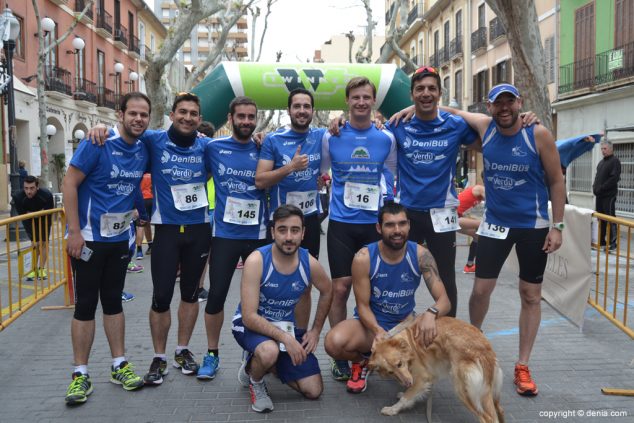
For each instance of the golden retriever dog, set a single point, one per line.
(459, 350)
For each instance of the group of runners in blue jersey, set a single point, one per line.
(267, 214)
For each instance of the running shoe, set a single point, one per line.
(148, 252)
(134, 268)
(139, 255)
(469, 269)
(158, 369)
(203, 294)
(340, 370)
(30, 276)
(524, 383)
(209, 367)
(127, 297)
(260, 399)
(243, 376)
(358, 378)
(124, 375)
(186, 362)
(79, 389)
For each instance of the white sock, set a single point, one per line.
(83, 369)
(161, 356)
(116, 362)
(180, 348)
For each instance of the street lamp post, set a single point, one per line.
(10, 21)
(9, 46)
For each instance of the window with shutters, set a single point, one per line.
(458, 87)
(480, 86)
(584, 46)
(446, 90)
(481, 16)
(624, 36)
(501, 73)
(459, 24)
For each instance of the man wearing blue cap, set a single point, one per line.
(518, 162)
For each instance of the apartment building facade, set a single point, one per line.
(596, 90)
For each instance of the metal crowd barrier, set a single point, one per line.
(19, 258)
(613, 294)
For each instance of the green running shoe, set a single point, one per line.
(124, 375)
(79, 389)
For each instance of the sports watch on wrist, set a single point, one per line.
(559, 226)
(433, 310)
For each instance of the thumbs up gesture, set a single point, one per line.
(299, 161)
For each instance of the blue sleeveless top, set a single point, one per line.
(393, 286)
(280, 293)
(516, 193)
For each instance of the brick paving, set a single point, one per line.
(569, 365)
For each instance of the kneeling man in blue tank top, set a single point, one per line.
(273, 280)
(385, 276)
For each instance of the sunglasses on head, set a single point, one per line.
(185, 93)
(426, 69)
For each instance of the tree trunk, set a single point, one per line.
(394, 35)
(519, 18)
(189, 15)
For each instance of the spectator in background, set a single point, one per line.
(146, 228)
(22, 172)
(32, 198)
(605, 188)
(207, 129)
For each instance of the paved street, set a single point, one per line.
(569, 366)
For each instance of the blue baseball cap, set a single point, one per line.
(502, 88)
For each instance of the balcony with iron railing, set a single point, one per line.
(603, 70)
(106, 98)
(479, 40)
(57, 80)
(455, 48)
(85, 90)
(443, 56)
(479, 107)
(433, 60)
(79, 7)
(496, 30)
(145, 52)
(414, 13)
(121, 36)
(104, 23)
(134, 47)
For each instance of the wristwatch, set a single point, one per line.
(559, 226)
(433, 310)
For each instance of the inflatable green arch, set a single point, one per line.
(269, 85)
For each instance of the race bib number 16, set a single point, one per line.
(361, 196)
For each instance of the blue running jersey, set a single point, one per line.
(280, 147)
(280, 293)
(106, 196)
(393, 286)
(179, 175)
(516, 193)
(357, 159)
(240, 211)
(427, 152)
